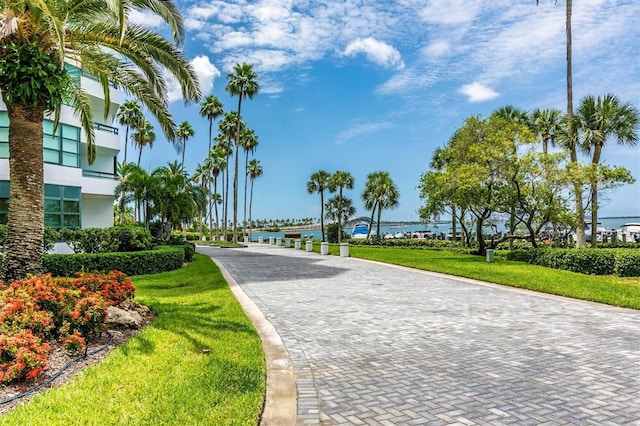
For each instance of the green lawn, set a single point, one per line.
(199, 363)
(624, 292)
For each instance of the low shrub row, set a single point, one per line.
(162, 259)
(405, 242)
(620, 262)
(39, 309)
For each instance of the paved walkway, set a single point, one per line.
(381, 345)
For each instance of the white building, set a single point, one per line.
(76, 194)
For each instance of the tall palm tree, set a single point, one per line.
(339, 181)
(254, 171)
(242, 83)
(218, 157)
(249, 142)
(547, 124)
(211, 108)
(571, 140)
(184, 132)
(143, 136)
(201, 176)
(98, 36)
(129, 115)
(339, 208)
(318, 182)
(226, 126)
(380, 192)
(599, 119)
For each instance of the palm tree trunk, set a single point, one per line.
(322, 215)
(140, 155)
(246, 178)
(373, 210)
(235, 174)
(184, 148)
(597, 152)
(25, 226)
(250, 206)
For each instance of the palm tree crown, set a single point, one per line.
(318, 182)
(185, 131)
(129, 115)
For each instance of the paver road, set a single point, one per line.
(380, 345)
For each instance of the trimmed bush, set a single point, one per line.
(123, 238)
(584, 261)
(189, 251)
(627, 263)
(165, 258)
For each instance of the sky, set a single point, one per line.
(364, 85)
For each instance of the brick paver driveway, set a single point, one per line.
(376, 344)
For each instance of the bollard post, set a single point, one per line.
(246, 239)
(272, 240)
(278, 242)
(309, 245)
(344, 249)
(287, 242)
(490, 253)
(324, 248)
(260, 240)
(297, 244)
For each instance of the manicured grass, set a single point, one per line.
(199, 363)
(623, 292)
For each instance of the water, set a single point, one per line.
(608, 222)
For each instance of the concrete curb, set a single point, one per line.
(280, 405)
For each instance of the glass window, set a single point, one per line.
(70, 160)
(71, 221)
(52, 206)
(52, 220)
(51, 156)
(62, 206)
(71, 206)
(4, 218)
(4, 204)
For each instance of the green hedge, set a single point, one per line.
(620, 262)
(164, 258)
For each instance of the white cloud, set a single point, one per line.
(205, 71)
(376, 51)
(478, 92)
(451, 12)
(362, 130)
(437, 49)
(145, 19)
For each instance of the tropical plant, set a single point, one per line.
(254, 171)
(380, 192)
(318, 182)
(37, 37)
(339, 181)
(243, 84)
(129, 115)
(599, 119)
(547, 124)
(211, 108)
(339, 208)
(143, 136)
(226, 127)
(184, 132)
(249, 142)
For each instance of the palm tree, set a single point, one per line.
(211, 108)
(226, 126)
(318, 182)
(339, 181)
(98, 36)
(184, 132)
(249, 142)
(218, 157)
(254, 171)
(380, 192)
(570, 139)
(546, 123)
(201, 176)
(599, 119)
(339, 208)
(129, 115)
(143, 136)
(242, 83)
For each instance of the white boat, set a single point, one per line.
(631, 231)
(360, 230)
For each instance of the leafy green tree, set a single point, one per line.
(319, 182)
(184, 132)
(129, 115)
(597, 120)
(339, 181)
(380, 192)
(254, 171)
(38, 36)
(243, 84)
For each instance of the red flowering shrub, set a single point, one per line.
(40, 308)
(22, 356)
(115, 286)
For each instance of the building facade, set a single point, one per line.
(77, 195)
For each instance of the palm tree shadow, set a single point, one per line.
(248, 266)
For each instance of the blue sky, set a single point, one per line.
(363, 85)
